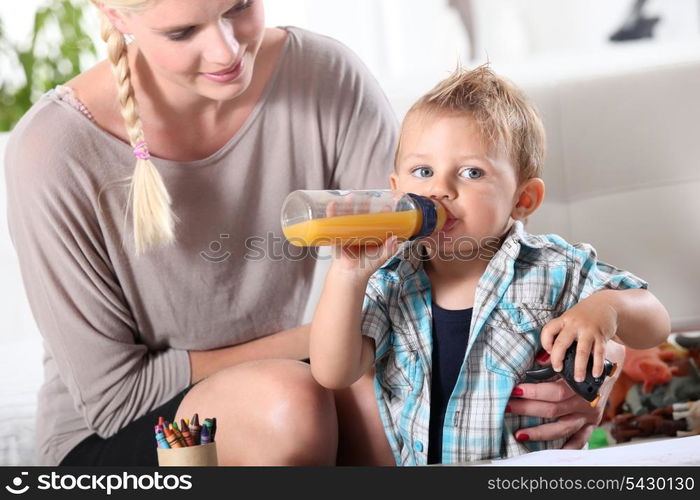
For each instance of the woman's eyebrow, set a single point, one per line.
(173, 29)
(185, 26)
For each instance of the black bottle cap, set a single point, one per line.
(430, 217)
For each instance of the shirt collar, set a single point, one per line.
(411, 255)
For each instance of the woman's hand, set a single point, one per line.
(576, 418)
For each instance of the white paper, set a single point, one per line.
(672, 451)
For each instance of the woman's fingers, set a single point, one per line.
(566, 426)
(580, 438)
(554, 391)
(543, 409)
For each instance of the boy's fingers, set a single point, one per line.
(583, 353)
(561, 344)
(548, 333)
(389, 248)
(332, 209)
(598, 358)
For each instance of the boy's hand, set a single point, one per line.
(591, 322)
(359, 261)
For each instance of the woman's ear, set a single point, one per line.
(115, 17)
(393, 180)
(528, 199)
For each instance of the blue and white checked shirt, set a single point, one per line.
(530, 281)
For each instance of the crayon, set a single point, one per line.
(161, 440)
(160, 421)
(175, 426)
(186, 434)
(178, 435)
(205, 438)
(195, 428)
(171, 438)
(213, 429)
(209, 424)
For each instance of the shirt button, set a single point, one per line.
(418, 446)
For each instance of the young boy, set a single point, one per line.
(452, 322)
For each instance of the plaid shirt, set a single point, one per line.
(529, 281)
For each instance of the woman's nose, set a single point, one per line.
(222, 48)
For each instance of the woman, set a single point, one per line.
(168, 312)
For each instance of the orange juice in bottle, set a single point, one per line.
(318, 218)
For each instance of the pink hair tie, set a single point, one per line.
(141, 151)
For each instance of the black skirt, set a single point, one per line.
(134, 444)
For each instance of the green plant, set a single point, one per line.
(49, 59)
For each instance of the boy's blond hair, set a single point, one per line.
(506, 117)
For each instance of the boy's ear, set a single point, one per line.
(528, 198)
(393, 180)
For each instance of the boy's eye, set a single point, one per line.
(472, 173)
(422, 172)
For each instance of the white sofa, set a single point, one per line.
(623, 173)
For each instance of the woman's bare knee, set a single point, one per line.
(268, 412)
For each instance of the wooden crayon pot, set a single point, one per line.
(203, 455)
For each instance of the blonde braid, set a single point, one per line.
(153, 219)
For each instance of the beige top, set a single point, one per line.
(117, 328)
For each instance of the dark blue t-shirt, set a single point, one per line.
(450, 335)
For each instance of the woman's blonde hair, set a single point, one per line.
(153, 219)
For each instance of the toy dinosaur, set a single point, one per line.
(649, 366)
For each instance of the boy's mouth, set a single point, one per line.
(451, 220)
(449, 224)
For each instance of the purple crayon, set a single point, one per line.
(195, 428)
(205, 438)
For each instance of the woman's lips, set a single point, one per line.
(226, 75)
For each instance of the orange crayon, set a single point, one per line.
(173, 442)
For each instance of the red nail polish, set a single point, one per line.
(507, 408)
(543, 357)
(522, 437)
(517, 392)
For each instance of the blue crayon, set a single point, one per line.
(160, 439)
(205, 437)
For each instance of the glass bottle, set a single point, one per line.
(367, 217)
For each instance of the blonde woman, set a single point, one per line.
(135, 191)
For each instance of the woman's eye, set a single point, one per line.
(422, 172)
(236, 9)
(181, 35)
(472, 173)
(239, 7)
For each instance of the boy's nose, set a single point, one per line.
(443, 190)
